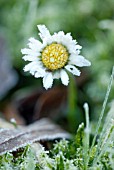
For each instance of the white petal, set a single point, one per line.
(30, 52)
(44, 32)
(78, 47)
(57, 37)
(33, 67)
(73, 70)
(47, 41)
(28, 66)
(34, 41)
(40, 73)
(79, 61)
(25, 51)
(64, 77)
(56, 75)
(30, 58)
(35, 45)
(48, 80)
(66, 40)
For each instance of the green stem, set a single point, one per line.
(72, 99)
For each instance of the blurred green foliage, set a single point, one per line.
(91, 22)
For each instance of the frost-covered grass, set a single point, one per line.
(65, 155)
(76, 154)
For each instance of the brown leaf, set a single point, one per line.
(10, 111)
(44, 129)
(41, 103)
(49, 103)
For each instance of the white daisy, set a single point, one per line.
(51, 59)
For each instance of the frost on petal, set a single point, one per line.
(40, 73)
(48, 81)
(30, 58)
(44, 32)
(73, 70)
(83, 61)
(34, 41)
(32, 67)
(56, 75)
(58, 37)
(25, 51)
(64, 77)
(69, 37)
(28, 66)
(78, 47)
(79, 61)
(66, 40)
(35, 44)
(31, 52)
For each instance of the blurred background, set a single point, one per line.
(91, 23)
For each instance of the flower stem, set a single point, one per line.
(72, 100)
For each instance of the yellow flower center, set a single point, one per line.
(54, 56)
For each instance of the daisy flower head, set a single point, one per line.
(52, 58)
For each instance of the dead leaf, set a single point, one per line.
(44, 129)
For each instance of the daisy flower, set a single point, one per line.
(52, 58)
